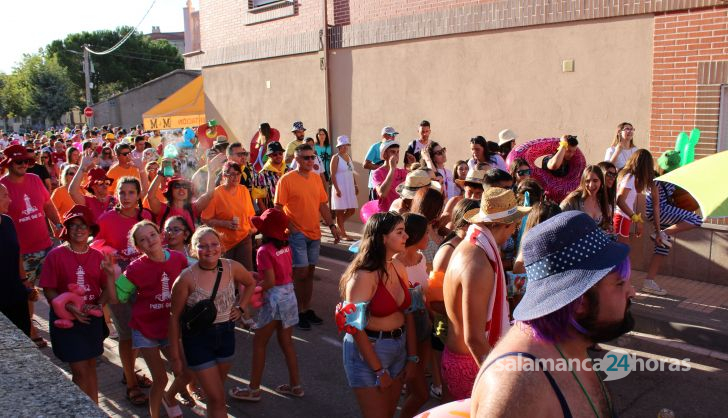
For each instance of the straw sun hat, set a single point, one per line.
(497, 205)
(416, 180)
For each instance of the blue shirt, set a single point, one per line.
(373, 156)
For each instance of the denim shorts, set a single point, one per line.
(210, 347)
(305, 251)
(279, 304)
(392, 353)
(138, 340)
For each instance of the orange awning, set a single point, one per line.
(183, 108)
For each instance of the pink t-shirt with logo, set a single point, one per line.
(26, 209)
(114, 230)
(63, 267)
(281, 261)
(97, 207)
(174, 211)
(153, 281)
(378, 177)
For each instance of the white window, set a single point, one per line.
(257, 3)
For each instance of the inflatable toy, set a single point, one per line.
(258, 148)
(74, 296)
(455, 409)
(207, 133)
(368, 209)
(556, 187)
(351, 317)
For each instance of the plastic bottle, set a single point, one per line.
(170, 151)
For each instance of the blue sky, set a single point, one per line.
(32, 24)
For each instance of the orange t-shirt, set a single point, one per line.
(116, 172)
(225, 205)
(301, 198)
(62, 200)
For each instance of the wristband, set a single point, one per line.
(381, 372)
(563, 144)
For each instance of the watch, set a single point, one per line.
(414, 359)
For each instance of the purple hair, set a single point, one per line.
(554, 327)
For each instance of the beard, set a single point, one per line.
(600, 331)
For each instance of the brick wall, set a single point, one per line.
(690, 59)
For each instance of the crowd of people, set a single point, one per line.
(174, 250)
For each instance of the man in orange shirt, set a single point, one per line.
(127, 166)
(301, 195)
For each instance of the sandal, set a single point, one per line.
(40, 342)
(198, 394)
(185, 399)
(173, 411)
(136, 396)
(245, 394)
(286, 389)
(142, 380)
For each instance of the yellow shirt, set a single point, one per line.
(225, 205)
(291, 147)
(301, 198)
(116, 172)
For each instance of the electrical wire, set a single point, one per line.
(122, 40)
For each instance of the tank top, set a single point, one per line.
(224, 299)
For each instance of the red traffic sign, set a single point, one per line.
(88, 112)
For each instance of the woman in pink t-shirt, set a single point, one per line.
(178, 192)
(74, 264)
(279, 312)
(114, 227)
(97, 185)
(150, 278)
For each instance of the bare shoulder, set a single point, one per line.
(472, 261)
(361, 286)
(502, 389)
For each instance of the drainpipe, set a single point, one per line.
(325, 64)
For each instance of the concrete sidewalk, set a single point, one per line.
(694, 312)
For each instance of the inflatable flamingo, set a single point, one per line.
(74, 296)
(556, 187)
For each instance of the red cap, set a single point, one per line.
(96, 175)
(272, 223)
(15, 153)
(79, 211)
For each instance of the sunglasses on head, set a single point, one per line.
(308, 157)
(526, 172)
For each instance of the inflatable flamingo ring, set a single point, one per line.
(556, 187)
(74, 296)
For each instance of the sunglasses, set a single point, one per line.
(79, 226)
(275, 154)
(611, 174)
(308, 157)
(181, 186)
(23, 162)
(231, 174)
(526, 172)
(124, 154)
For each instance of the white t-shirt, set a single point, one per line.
(622, 158)
(450, 187)
(318, 166)
(627, 182)
(495, 161)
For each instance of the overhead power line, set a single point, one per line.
(122, 40)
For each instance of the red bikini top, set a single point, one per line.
(383, 303)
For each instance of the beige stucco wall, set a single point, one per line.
(482, 83)
(238, 97)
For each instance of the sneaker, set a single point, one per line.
(312, 318)
(303, 323)
(435, 391)
(650, 286)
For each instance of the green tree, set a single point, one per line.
(137, 61)
(39, 87)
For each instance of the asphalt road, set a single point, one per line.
(700, 392)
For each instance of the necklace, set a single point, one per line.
(205, 268)
(67, 245)
(588, 398)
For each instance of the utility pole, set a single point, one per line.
(87, 77)
(325, 64)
